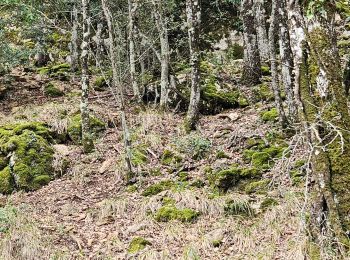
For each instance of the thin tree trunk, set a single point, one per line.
(165, 51)
(74, 52)
(274, 71)
(132, 53)
(99, 45)
(193, 11)
(87, 141)
(286, 58)
(112, 55)
(261, 29)
(252, 66)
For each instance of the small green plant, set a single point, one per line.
(194, 145)
(137, 244)
(239, 207)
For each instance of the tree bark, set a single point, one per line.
(286, 58)
(74, 52)
(120, 99)
(193, 11)
(132, 54)
(252, 66)
(87, 140)
(165, 51)
(99, 45)
(261, 29)
(274, 70)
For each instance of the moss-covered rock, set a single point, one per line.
(170, 212)
(226, 179)
(264, 158)
(52, 91)
(58, 71)
(137, 244)
(100, 84)
(26, 157)
(157, 188)
(270, 115)
(74, 128)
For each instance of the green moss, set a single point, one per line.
(6, 181)
(74, 128)
(52, 91)
(170, 212)
(238, 207)
(235, 52)
(268, 202)
(257, 187)
(31, 156)
(60, 67)
(197, 183)
(158, 188)
(221, 155)
(168, 201)
(263, 92)
(139, 155)
(170, 158)
(270, 115)
(100, 83)
(265, 70)
(225, 179)
(183, 176)
(137, 244)
(264, 158)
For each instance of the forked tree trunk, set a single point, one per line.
(165, 51)
(252, 66)
(193, 11)
(87, 140)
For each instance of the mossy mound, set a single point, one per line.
(157, 188)
(216, 97)
(270, 115)
(263, 158)
(263, 92)
(58, 71)
(100, 84)
(170, 212)
(52, 91)
(25, 157)
(139, 155)
(137, 244)
(74, 128)
(257, 187)
(226, 179)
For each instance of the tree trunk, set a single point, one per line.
(327, 121)
(286, 58)
(132, 53)
(74, 52)
(252, 66)
(99, 45)
(274, 70)
(193, 11)
(261, 29)
(87, 141)
(120, 99)
(165, 51)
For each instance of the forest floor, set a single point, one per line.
(90, 213)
